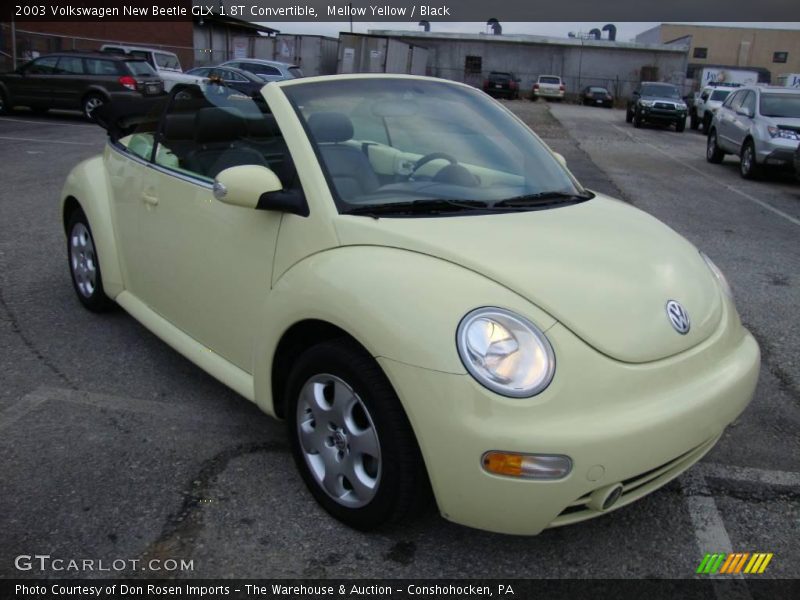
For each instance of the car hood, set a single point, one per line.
(602, 268)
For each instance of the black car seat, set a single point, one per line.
(350, 169)
(179, 134)
(217, 135)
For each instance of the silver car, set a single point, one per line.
(759, 124)
(268, 70)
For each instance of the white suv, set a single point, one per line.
(707, 103)
(548, 86)
(164, 62)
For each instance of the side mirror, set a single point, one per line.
(243, 185)
(560, 158)
(255, 186)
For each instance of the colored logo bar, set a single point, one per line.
(734, 563)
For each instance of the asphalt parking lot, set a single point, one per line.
(114, 446)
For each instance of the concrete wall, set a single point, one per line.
(734, 46)
(616, 66)
(376, 54)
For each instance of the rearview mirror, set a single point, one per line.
(244, 185)
(560, 158)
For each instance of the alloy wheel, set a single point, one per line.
(82, 260)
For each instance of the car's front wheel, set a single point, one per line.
(84, 266)
(91, 102)
(680, 125)
(4, 107)
(628, 116)
(713, 153)
(637, 119)
(748, 167)
(694, 122)
(350, 437)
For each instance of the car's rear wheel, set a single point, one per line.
(91, 102)
(748, 167)
(84, 266)
(713, 152)
(350, 437)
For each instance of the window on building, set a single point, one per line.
(700, 53)
(780, 57)
(473, 64)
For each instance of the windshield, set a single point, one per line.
(780, 105)
(403, 140)
(598, 90)
(664, 91)
(168, 61)
(720, 95)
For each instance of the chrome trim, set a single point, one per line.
(209, 185)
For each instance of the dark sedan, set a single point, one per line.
(597, 96)
(237, 79)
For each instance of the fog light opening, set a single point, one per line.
(613, 496)
(527, 466)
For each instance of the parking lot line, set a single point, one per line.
(730, 188)
(20, 139)
(750, 475)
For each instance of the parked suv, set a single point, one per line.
(77, 81)
(502, 84)
(759, 124)
(165, 63)
(655, 102)
(707, 103)
(268, 70)
(548, 86)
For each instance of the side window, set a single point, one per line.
(101, 66)
(733, 100)
(70, 65)
(140, 141)
(749, 103)
(210, 128)
(43, 66)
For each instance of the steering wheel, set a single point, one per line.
(428, 158)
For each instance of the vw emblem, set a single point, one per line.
(678, 317)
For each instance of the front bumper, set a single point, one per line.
(776, 151)
(543, 93)
(639, 425)
(662, 115)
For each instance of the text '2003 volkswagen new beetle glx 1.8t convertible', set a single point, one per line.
(399, 268)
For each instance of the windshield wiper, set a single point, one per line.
(437, 205)
(543, 198)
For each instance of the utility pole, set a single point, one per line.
(13, 43)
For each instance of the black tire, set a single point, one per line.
(82, 260)
(4, 107)
(680, 125)
(713, 153)
(401, 486)
(637, 120)
(534, 97)
(628, 116)
(748, 167)
(90, 102)
(694, 122)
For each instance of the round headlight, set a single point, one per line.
(505, 352)
(719, 275)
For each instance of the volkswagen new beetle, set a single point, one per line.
(403, 272)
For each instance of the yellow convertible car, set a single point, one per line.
(402, 271)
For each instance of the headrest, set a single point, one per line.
(263, 127)
(327, 127)
(179, 127)
(218, 125)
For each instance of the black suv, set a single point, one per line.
(655, 102)
(502, 84)
(77, 81)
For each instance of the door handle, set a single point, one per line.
(149, 199)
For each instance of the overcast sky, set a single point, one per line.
(625, 31)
